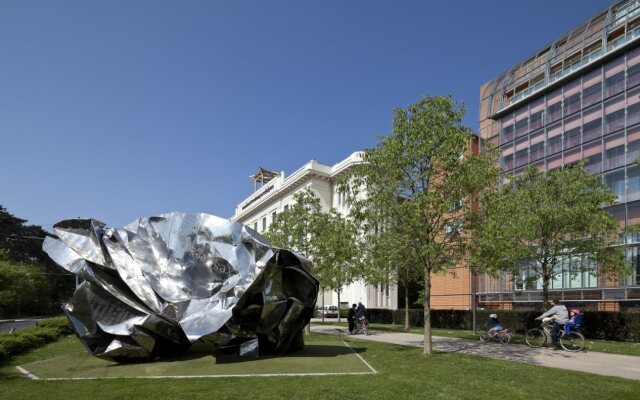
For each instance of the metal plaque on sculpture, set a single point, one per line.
(162, 283)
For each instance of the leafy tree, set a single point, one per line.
(418, 177)
(384, 261)
(327, 239)
(298, 227)
(23, 288)
(337, 256)
(22, 244)
(537, 220)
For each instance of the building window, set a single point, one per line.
(614, 114)
(264, 224)
(522, 127)
(614, 153)
(572, 138)
(633, 145)
(615, 181)
(273, 217)
(554, 145)
(554, 112)
(614, 77)
(572, 104)
(507, 162)
(507, 133)
(593, 153)
(255, 226)
(522, 158)
(537, 151)
(614, 84)
(592, 123)
(633, 261)
(535, 120)
(633, 183)
(286, 207)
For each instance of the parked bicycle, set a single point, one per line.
(538, 337)
(501, 336)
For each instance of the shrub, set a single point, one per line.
(46, 331)
(606, 325)
(62, 324)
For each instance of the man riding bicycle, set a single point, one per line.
(557, 315)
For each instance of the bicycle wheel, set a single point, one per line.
(484, 337)
(572, 342)
(506, 338)
(535, 337)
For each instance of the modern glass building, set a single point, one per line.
(578, 97)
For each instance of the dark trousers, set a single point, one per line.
(555, 329)
(351, 325)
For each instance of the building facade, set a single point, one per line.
(274, 193)
(578, 97)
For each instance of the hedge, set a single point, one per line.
(605, 325)
(46, 331)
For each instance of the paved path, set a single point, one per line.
(592, 362)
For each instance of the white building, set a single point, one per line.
(275, 195)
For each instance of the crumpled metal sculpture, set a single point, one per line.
(162, 283)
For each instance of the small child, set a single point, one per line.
(573, 321)
(493, 326)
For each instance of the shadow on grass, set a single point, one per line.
(310, 351)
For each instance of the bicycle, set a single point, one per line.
(501, 336)
(538, 337)
(361, 326)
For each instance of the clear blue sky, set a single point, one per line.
(122, 109)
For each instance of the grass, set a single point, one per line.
(601, 346)
(328, 356)
(404, 373)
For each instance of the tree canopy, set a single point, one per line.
(327, 238)
(417, 184)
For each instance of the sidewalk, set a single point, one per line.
(595, 363)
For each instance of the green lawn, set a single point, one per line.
(322, 355)
(603, 346)
(404, 373)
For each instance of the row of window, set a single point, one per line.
(608, 81)
(262, 222)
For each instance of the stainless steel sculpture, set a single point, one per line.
(162, 283)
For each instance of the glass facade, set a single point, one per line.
(585, 105)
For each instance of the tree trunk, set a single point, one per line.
(406, 308)
(427, 311)
(545, 287)
(338, 291)
(322, 310)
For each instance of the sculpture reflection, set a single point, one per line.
(162, 283)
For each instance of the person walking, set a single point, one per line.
(351, 318)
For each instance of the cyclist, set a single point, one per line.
(493, 325)
(558, 315)
(361, 311)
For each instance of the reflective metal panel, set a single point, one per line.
(162, 283)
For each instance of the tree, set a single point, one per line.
(538, 220)
(23, 246)
(327, 239)
(384, 261)
(337, 257)
(23, 288)
(298, 227)
(418, 177)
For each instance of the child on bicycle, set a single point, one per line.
(575, 319)
(493, 325)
